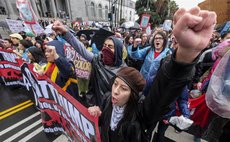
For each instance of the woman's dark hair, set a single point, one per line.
(131, 106)
(142, 34)
(164, 38)
(23, 34)
(7, 39)
(26, 43)
(127, 39)
(38, 55)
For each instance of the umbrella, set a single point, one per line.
(89, 33)
(130, 25)
(100, 37)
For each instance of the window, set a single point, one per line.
(106, 12)
(100, 10)
(92, 9)
(130, 16)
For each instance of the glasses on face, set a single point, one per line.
(156, 38)
(108, 45)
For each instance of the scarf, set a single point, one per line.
(107, 56)
(117, 115)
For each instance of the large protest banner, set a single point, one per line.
(60, 112)
(10, 71)
(28, 16)
(26, 12)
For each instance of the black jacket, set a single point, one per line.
(169, 83)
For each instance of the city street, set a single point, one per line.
(72, 54)
(20, 120)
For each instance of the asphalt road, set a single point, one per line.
(19, 118)
(20, 121)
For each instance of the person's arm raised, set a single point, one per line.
(193, 30)
(73, 41)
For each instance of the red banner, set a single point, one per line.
(60, 112)
(10, 71)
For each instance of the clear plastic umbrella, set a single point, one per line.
(130, 25)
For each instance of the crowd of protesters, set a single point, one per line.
(137, 80)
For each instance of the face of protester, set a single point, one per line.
(21, 47)
(30, 56)
(121, 92)
(109, 43)
(227, 36)
(28, 38)
(82, 38)
(144, 38)
(49, 53)
(7, 44)
(158, 42)
(14, 40)
(38, 45)
(131, 40)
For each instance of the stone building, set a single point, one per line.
(81, 10)
(221, 7)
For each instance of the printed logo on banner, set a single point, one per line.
(60, 111)
(10, 71)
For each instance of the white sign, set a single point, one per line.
(167, 25)
(15, 25)
(35, 28)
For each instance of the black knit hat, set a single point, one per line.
(133, 78)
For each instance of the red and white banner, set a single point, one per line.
(60, 112)
(10, 71)
(26, 12)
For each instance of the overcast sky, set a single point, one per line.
(187, 3)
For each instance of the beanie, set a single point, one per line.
(132, 77)
(30, 34)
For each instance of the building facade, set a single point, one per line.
(80, 10)
(221, 7)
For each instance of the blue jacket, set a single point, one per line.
(150, 62)
(182, 102)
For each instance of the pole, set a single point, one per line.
(148, 5)
(121, 9)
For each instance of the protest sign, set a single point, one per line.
(82, 67)
(144, 20)
(15, 25)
